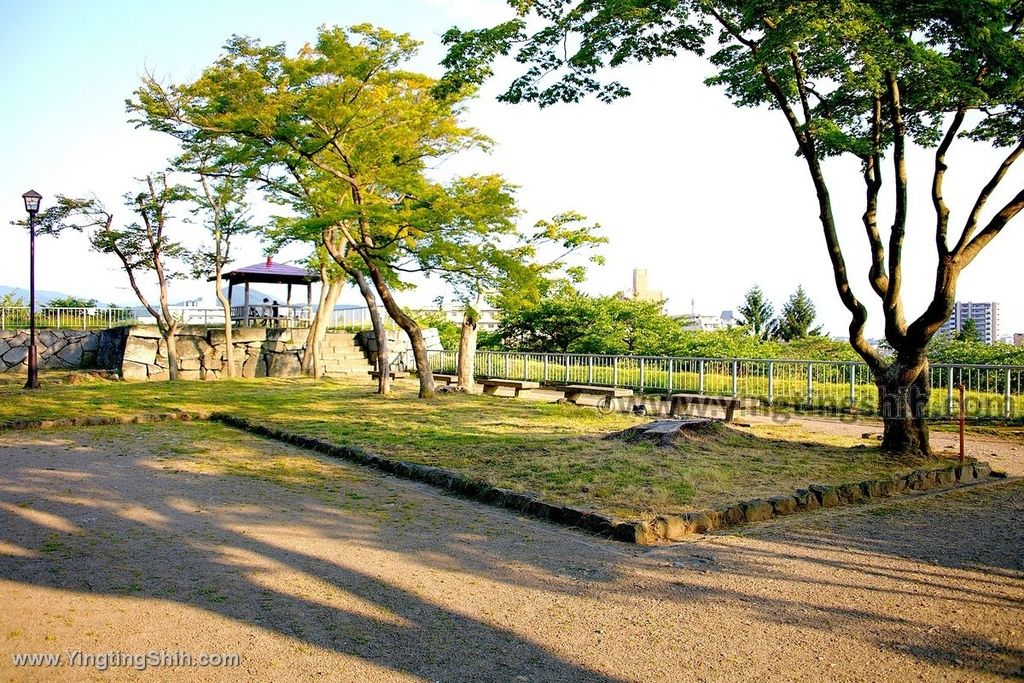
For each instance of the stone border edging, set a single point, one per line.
(662, 528)
(100, 420)
(815, 496)
(455, 482)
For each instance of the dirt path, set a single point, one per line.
(192, 538)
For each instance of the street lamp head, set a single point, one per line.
(32, 199)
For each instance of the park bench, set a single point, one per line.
(587, 395)
(492, 387)
(395, 374)
(442, 378)
(729, 403)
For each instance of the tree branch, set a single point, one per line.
(982, 200)
(895, 325)
(873, 183)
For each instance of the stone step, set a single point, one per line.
(339, 338)
(344, 363)
(354, 353)
(346, 368)
(342, 352)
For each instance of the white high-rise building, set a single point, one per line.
(984, 314)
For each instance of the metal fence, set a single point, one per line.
(990, 390)
(17, 318)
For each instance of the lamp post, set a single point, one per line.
(32, 199)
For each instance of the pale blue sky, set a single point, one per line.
(710, 199)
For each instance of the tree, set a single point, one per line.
(969, 332)
(515, 272)
(556, 323)
(859, 79)
(331, 282)
(143, 247)
(797, 319)
(220, 200)
(346, 136)
(71, 302)
(758, 314)
(568, 321)
(8, 300)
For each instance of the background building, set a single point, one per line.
(640, 290)
(984, 314)
(1018, 339)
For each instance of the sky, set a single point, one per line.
(709, 198)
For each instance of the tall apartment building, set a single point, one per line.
(984, 314)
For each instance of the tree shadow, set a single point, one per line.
(98, 528)
(233, 533)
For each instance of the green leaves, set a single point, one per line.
(758, 314)
(947, 55)
(797, 319)
(574, 43)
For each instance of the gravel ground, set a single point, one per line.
(105, 545)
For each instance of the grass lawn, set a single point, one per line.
(554, 450)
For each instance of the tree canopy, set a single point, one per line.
(798, 316)
(758, 314)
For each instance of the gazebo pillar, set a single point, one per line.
(246, 303)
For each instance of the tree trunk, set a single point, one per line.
(169, 328)
(171, 341)
(311, 356)
(379, 334)
(467, 351)
(904, 389)
(419, 348)
(308, 365)
(229, 350)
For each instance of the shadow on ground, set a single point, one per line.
(93, 516)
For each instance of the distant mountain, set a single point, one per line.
(43, 296)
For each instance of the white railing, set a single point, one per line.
(357, 319)
(990, 390)
(60, 318)
(282, 315)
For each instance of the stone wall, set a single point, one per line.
(138, 353)
(258, 352)
(58, 349)
(399, 347)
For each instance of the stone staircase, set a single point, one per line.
(342, 356)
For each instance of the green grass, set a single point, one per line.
(555, 450)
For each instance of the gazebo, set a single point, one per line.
(270, 273)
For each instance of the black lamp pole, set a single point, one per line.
(32, 199)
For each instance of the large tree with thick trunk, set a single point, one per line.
(861, 78)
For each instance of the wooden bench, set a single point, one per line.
(395, 374)
(588, 395)
(441, 378)
(491, 387)
(729, 403)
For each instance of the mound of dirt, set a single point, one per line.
(668, 432)
(90, 376)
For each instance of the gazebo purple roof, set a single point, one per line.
(270, 272)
